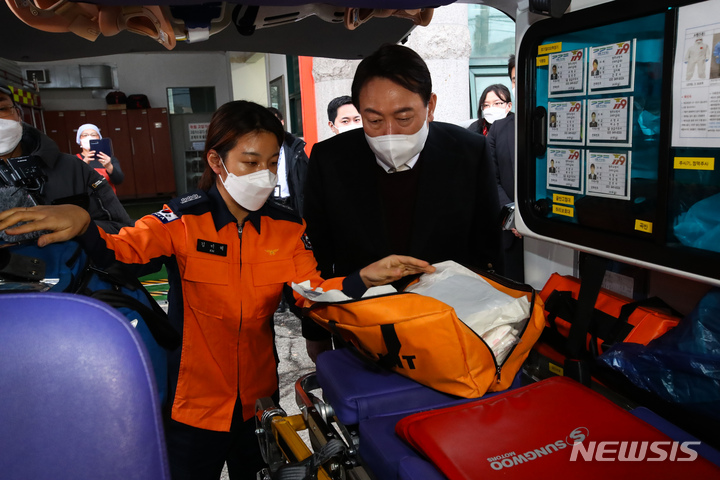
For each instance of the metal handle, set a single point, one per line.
(539, 131)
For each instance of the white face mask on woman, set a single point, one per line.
(396, 150)
(10, 135)
(250, 191)
(493, 114)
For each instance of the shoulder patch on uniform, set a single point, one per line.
(306, 241)
(166, 215)
(190, 198)
(188, 202)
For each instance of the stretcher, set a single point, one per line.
(351, 411)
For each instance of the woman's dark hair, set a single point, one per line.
(229, 123)
(398, 64)
(498, 89)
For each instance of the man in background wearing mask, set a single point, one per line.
(501, 150)
(68, 180)
(403, 183)
(342, 115)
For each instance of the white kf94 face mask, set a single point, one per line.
(396, 150)
(493, 114)
(10, 135)
(250, 191)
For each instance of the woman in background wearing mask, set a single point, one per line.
(228, 252)
(108, 167)
(495, 104)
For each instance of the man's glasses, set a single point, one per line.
(7, 111)
(91, 135)
(498, 104)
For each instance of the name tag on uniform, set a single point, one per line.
(212, 248)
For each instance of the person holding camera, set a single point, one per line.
(60, 178)
(106, 165)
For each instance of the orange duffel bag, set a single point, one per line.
(615, 318)
(423, 339)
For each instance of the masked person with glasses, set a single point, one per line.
(495, 104)
(403, 183)
(229, 250)
(64, 179)
(106, 165)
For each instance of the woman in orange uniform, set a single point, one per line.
(228, 251)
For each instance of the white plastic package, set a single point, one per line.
(477, 303)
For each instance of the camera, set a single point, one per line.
(23, 172)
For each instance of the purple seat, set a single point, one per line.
(414, 468)
(358, 391)
(376, 399)
(383, 451)
(79, 398)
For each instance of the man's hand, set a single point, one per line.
(65, 221)
(393, 268)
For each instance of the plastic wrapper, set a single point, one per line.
(682, 366)
(699, 227)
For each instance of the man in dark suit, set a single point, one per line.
(501, 150)
(403, 183)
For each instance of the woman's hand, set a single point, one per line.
(393, 268)
(88, 156)
(65, 221)
(105, 160)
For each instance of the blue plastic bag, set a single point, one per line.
(682, 366)
(699, 227)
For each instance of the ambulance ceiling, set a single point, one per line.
(310, 36)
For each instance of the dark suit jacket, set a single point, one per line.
(457, 209)
(296, 169)
(501, 150)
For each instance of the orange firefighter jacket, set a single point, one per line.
(225, 285)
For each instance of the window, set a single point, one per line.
(492, 35)
(277, 94)
(295, 126)
(191, 100)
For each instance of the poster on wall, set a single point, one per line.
(565, 170)
(197, 133)
(696, 77)
(565, 122)
(608, 174)
(612, 68)
(566, 73)
(609, 121)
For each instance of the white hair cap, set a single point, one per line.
(87, 126)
